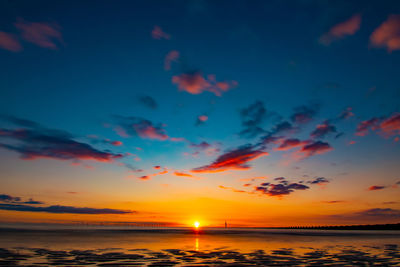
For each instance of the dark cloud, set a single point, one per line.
(304, 114)
(17, 200)
(236, 159)
(379, 212)
(322, 130)
(284, 187)
(148, 101)
(319, 181)
(347, 113)
(62, 209)
(252, 117)
(8, 198)
(376, 187)
(315, 148)
(47, 143)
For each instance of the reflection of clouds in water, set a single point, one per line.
(387, 255)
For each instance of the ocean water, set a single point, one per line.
(208, 247)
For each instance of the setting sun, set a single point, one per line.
(196, 225)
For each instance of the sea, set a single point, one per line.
(122, 246)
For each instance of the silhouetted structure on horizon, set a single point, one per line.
(395, 226)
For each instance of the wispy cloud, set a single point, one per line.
(341, 30)
(62, 209)
(10, 42)
(172, 56)
(42, 34)
(148, 101)
(158, 33)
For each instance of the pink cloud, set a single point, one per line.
(387, 34)
(40, 34)
(202, 118)
(172, 56)
(195, 83)
(9, 42)
(158, 33)
(391, 125)
(341, 30)
(364, 126)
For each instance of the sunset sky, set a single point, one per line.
(261, 113)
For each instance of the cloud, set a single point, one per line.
(8, 198)
(391, 125)
(341, 30)
(183, 174)
(148, 101)
(379, 212)
(319, 181)
(172, 56)
(9, 42)
(347, 113)
(149, 176)
(195, 83)
(284, 187)
(291, 143)
(322, 130)
(62, 209)
(387, 34)
(387, 126)
(201, 119)
(236, 159)
(315, 148)
(333, 201)
(17, 200)
(252, 117)
(158, 34)
(304, 114)
(376, 187)
(364, 126)
(135, 126)
(232, 189)
(54, 144)
(39, 33)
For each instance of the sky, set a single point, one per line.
(258, 113)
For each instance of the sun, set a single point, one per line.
(196, 224)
